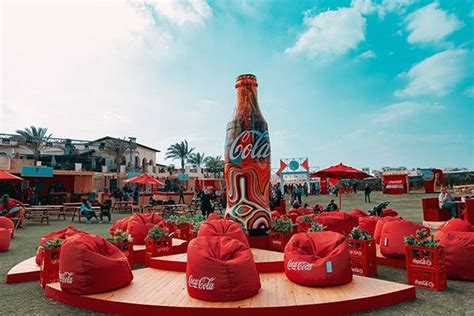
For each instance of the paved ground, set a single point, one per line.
(28, 298)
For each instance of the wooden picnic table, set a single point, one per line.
(77, 212)
(37, 212)
(123, 205)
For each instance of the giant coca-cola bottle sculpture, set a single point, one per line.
(247, 161)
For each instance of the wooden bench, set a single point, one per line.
(37, 213)
(77, 212)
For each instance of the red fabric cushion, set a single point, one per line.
(293, 216)
(379, 226)
(220, 269)
(339, 222)
(275, 214)
(358, 212)
(456, 225)
(8, 225)
(5, 237)
(392, 238)
(61, 234)
(137, 225)
(318, 259)
(223, 227)
(368, 224)
(213, 216)
(294, 210)
(389, 212)
(459, 253)
(90, 264)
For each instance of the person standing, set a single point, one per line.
(446, 201)
(181, 195)
(367, 191)
(206, 203)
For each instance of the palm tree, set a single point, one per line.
(35, 139)
(170, 169)
(215, 165)
(179, 151)
(117, 148)
(197, 159)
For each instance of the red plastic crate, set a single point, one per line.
(49, 269)
(303, 227)
(171, 227)
(278, 240)
(430, 279)
(423, 257)
(158, 248)
(127, 249)
(363, 257)
(183, 231)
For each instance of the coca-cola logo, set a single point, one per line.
(424, 283)
(299, 265)
(162, 249)
(276, 242)
(66, 277)
(357, 253)
(258, 150)
(358, 270)
(203, 283)
(422, 262)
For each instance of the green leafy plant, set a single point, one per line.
(170, 218)
(196, 221)
(183, 219)
(315, 227)
(119, 236)
(307, 219)
(52, 244)
(358, 234)
(157, 232)
(282, 225)
(422, 238)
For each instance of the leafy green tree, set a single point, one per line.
(215, 165)
(197, 159)
(179, 151)
(35, 139)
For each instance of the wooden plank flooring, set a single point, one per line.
(168, 288)
(259, 255)
(26, 266)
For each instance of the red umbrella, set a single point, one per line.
(8, 176)
(144, 179)
(340, 172)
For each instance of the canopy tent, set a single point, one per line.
(144, 179)
(4, 175)
(340, 172)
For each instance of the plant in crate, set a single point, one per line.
(170, 222)
(315, 227)
(184, 224)
(425, 262)
(123, 241)
(196, 221)
(49, 271)
(305, 223)
(282, 228)
(362, 252)
(158, 242)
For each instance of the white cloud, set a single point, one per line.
(182, 12)
(397, 112)
(331, 33)
(430, 25)
(381, 7)
(436, 75)
(369, 54)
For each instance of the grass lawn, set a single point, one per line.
(28, 298)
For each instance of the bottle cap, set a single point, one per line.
(246, 80)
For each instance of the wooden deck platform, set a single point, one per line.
(24, 271)
(266, 261)
(164, 292)
(389, 262)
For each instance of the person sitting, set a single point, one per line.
(305, 210)
(87, 211)
(447, 202)
(170, 201)
(9, 207)
(105, 210)
(331, 207)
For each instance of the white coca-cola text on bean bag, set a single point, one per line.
(90, 264)
(392, 237)
(458, 253)
(318, 259)
(223, 227)
(220, 269)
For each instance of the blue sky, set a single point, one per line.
(369, 83)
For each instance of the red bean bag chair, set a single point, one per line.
(213, 216)
(389, 212)
(121, 224)
(339, 222)
(379, 226)
(459, 253)
(275, 214)
(90, 264)
(8, 224)
(137, 225)
(368, 224)
(358, 212)
(5, 237)
(392, 238)
(57, 234)
(294, 210)
(318, 259)
(293, 216)
(220, 269)
(223, 227)
(456, 225)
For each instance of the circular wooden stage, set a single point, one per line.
(156, 291)
(266, 261)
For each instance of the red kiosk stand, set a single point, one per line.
(395, 183)
(433, 179)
